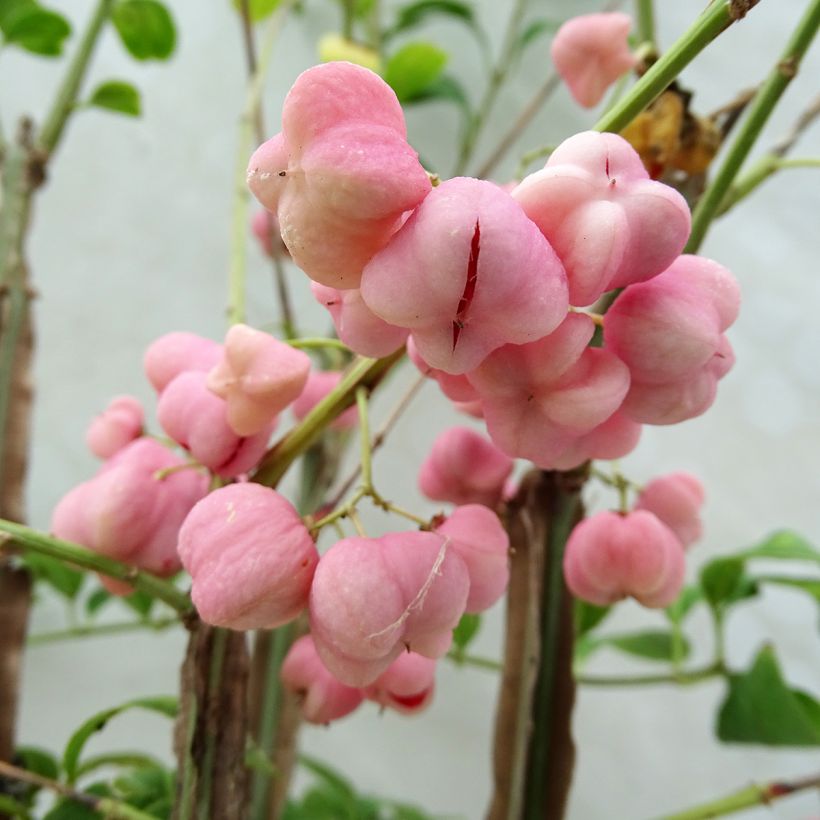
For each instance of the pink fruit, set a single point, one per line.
(539, 398)
(198, 420)
(250, 557)
(128, 511)
(407, 685)
(463, 467)
(356, 325)
(611, 556)
(323, 698)
(591, 52)
(174, 353)
(676, 500)
(119, 424)
(467, 273)
(374, 598)
(341, 174)
(265, 227)
(484, 546)
(609, 223)
(319, 384)
(258, 376)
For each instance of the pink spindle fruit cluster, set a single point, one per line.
(489, 287)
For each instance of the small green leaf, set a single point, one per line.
(35, 29)
(13, 808)
(140, 602)
(466, 631)
(116, 95)
(534, 30)
(39, 761)
(588, 616)
(690, 595)
(258, 9)
(653, 645)
(97, 599)
(64, 579)
(146, 28)
(146, 786)
(330, 777)
(811, 586)
(760, 708)
(415, 13)
(413, 69)
(721, 580)
(165, 705)
(69, 810)
(784, 545)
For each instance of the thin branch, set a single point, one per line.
(100, 630)
(747, 798)
(758, 114)
(29, 540)
(806, 118)
(682, 678)
(113, 809)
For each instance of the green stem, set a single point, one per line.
(364, 438)
(362, 372)
(758, 113)
(645, 19)
(682, 678)
(499, 74)
(239, 220)
(318, 344)
(746, 798)
(477, 661)
(30, 540)
(100, 630)
(717, 17)
(765, 167)
(66, 98)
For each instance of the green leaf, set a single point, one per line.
(146, 28)
(415, 13)
(69, 810)
(122, 760)
(13, 808)
(118, 96)
(257, 9)
(330, 777)
(34, 28)
(760, 708)
(784, 545)
(466, 631)
(146, 786)
(588, 616)
(690, 595)
(653, 645)
(811, 586)
(140, 602)
(66, 580)
(414, 68)
(721, 580)
(39, 761)
(97, 599)
(164, 705)
(534, 30)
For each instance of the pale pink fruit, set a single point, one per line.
(457, 388)
(198, 420)
(265, 227)
(539, 398)
(609, 223)
(258, 376)
(591, 52)
(676, 500)
(611, 556)
(341, 174)
(250, 557)
(374, 598)
(322, 697)
(467, 273)
(174, 353)
(463, 467)
(669, 332)
(119, 424)
(319, 384)
(617, 437)
(356, 325)
(407, 685)
(129, 511)
(484, 546)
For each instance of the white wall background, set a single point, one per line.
(131, 240)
